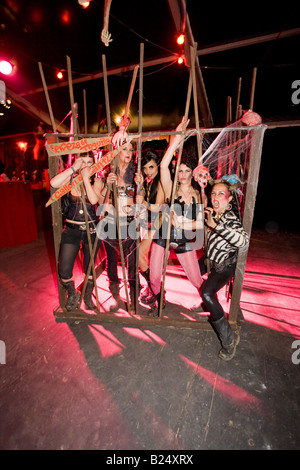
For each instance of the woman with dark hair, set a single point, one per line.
(75, 230)
(186, 234)
(151, 197)
(125, 178)
(226, 236)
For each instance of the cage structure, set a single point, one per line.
(235, 149)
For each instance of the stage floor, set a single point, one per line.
(80, 385)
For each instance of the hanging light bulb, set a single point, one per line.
(180, 39)
(5, 67)
(59, 75)
(84, 3)
(180, 60)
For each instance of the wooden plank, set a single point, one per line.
(250, 197)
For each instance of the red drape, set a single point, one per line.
(17, 214)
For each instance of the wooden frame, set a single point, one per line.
(250, 196)
(253, 164)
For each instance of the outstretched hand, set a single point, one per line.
(119, 138)
(106, 37)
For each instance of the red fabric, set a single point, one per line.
(17, 214)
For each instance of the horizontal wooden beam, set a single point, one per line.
(163, 60)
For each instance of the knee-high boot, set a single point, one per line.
(73, 295)
(114, 288)
(229, 340)
(88, 295)
(147, 296)
(154, 310)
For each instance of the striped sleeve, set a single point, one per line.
(227, 237)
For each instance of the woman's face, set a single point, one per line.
(86, 161)
(150, 169)
(184, 174)
(125, 155)
(220, 197)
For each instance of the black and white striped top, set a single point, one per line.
(226, 238)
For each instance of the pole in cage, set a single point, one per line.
(166, 254)
(115, 196)
(76, 130)
(137, 279)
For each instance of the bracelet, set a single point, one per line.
(73, 170)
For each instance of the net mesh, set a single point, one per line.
(227, 153)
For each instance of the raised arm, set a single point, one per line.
(165, 176)
(64, 177)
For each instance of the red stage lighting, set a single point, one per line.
(180, 60)
(60, 75)
(6, 67)
(180, 39)
(22, 146)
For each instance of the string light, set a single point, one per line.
(84, 3)
(180, 39)
(60, 75)
(180, 60)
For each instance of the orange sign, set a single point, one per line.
(77, 146)
(105, 160)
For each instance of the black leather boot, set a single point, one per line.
(88, 296)
(73, 295)
(154, 310)
(147, 296)
(114, 288)
(229, 340)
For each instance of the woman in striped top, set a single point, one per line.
(226, 236)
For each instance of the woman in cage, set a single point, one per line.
(226, 236)
(75, 230)
(151, 197)
(125, 179)
(186, 233)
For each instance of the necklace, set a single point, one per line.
(186, 196)
(218, 216)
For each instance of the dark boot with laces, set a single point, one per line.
(114, 288)
(229, 340)
(73, 295)
(147, 295)
(154, 310)
(89, 304)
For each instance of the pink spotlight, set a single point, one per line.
(5, 67)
